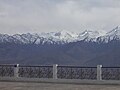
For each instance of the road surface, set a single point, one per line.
(53, 86)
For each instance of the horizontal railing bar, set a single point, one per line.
(69, 66)
(110, 67)
(34, 66)
(76, 67)
(26, 65)
(7, 64)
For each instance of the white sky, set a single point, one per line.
(34, 16)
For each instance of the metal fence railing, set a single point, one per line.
(36, 71)
(76, 72)
(60, 72)
(111, 73)
(6, 70)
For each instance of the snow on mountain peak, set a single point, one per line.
(118, 27)
(114, 32)
(88, 35)
(62, 37)
(65, 34)
(111, 35)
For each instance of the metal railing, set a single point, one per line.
(60, 72)
(76, 72)
(6, 70)
(35, 71)
(111, 73)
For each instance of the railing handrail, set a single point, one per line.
(71, 66)
(20, 65)
(35, 65)
(110, 67)
(7, 64)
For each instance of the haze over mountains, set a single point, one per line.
(67, 48)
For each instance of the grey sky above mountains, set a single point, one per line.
(34, 16)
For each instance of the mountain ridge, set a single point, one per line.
(61, 37)
(85, 49)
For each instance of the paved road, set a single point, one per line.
(51, 86)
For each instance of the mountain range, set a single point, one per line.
(88, 48)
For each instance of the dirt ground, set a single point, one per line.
(52, 86)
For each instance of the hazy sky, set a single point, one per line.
(22, 16)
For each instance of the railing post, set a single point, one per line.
(16, 70)
(99, 72)
(55, 71)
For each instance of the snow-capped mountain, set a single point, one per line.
(111, 35)
(115, 33)
(61, 37)
(90, 48)
(88, 35)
